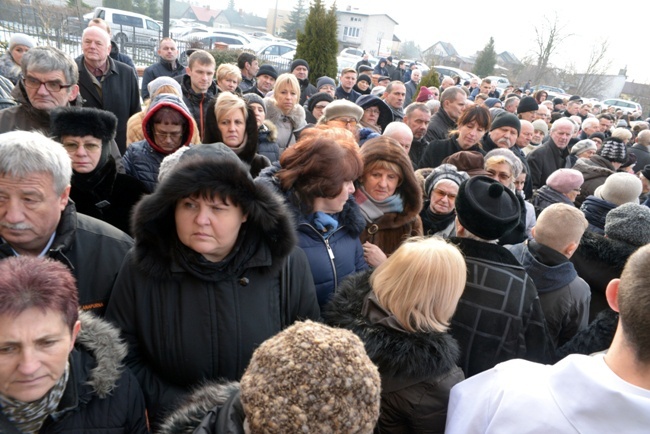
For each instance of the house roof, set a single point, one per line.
(204, 15)
(449, 49)
(509, 58)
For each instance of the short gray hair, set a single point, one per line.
(48, 59)
(23, 153)
(450, 94)
(562, 121)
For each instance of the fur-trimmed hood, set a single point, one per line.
(270, 129)
(595, 167)
(350, 216)
(188, 416)
(597, 249)
(166, 100)
(396, 353)
(267, 235)
(102, 340)
(296, 115)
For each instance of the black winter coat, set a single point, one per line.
(439, 127)
(101, 396)
(499, 316)
(544, 160)
(438, 150)
(188, 320)
(197, 102)
(162, 68)
(92, 249)
(417, 370)
(120, 95)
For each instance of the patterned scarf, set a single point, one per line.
(373, 209)
(28, 417)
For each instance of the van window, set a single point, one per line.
(152, 25)
(126, 20)
(101, 14)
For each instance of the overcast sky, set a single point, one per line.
(512, 24)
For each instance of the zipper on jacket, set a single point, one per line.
(330, 252)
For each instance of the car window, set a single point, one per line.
(152, 25)
(101, 14)
(126, 20)
(283, 50)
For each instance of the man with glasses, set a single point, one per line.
(105, 83)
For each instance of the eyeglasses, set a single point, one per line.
(442, 194)
(51, 86)
(164, 136)
(89, 147)
(372, 110)
(346, 122)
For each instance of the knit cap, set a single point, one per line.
(325, 81)
(583, 146)
(311, 378)
(620, 188)
(630, 223)
(424, 95)
(299, 62)
(364, 77)
(267, 70)
(442, 172)
(156, 84)
(486, 208)
(490, 102)
(565, 180)
(540, 125)
(253, 98)
(527, 104)
(316, 98)
(21, 39)
(506, 119)
(614, 150)
(515, 162)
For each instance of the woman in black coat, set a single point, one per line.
(401, 312)
(97, 189)
(214, 272)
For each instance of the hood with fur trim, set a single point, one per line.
(169, 101)
(268, 230)
(271, 131)
(396, 353)
(99, 338)
(296, 115)
(188, 416)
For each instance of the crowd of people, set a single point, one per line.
(226, 249)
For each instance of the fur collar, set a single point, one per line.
(474, 249)
(272, 131)
(103, 341)
(188, 416)
(296, 115)
(153, 218)
(594, 168)
(598, 249)
(396, 353)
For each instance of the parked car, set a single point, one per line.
(450, 71)
(548, 89)
(208, 39)
(501, 82)
(130, 27)
(279, 55)
(623, 104)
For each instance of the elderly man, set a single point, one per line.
(264, 82)
(543, 398)
(588, 127)
(641, 150)
(394, 96)
(37, 218)
(400, 132)
(412, 86)
(167, 66)
(452, 104)
(417, 117)
(551, 155)
(105, 83)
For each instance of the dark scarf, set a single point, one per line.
(100, 181)
(433, 223)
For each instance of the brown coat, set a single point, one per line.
(390, 230)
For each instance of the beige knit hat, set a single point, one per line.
(311, 378)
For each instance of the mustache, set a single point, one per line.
(16, 226)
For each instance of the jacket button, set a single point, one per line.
(243, 281)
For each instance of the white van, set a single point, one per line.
(130, 27)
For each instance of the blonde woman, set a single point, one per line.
(284, 110)
(228, 77)
(232, 122)
(401, 311)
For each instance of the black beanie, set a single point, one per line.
(267, 70)
(527, 104)
(299, 62)
(486, 208)
(506, 119)
(364, 77)
(316, 98)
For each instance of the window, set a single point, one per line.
(152, 25)
(126, 20)
(352, 32)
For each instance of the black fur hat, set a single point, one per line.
(83, 121)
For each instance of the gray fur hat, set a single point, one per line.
(444, 171)
(21, 39)
(629, 223)
(311, 378)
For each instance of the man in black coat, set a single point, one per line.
(641, 150)
(452, 103)
(499, 316)
(105, 83)
(551, 155)
(199, 86)
(167, 66)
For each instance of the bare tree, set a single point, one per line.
(548, 39)
(590, 82)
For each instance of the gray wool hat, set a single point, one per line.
(21, 39)
(253, 98)
(342, 107)
(583, 146)
(442, 172)
(629, 223)
(311, 378)
(324, 81)
(515, 162)
(620, 188)
(156, 84)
